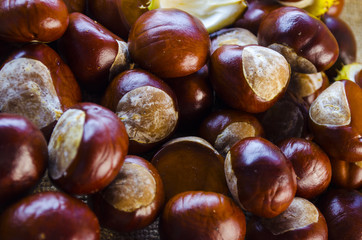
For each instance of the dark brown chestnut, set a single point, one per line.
(33, 20)
(346, 174)
(133, 200)
(87, 149)
(311, 165)
(169, 43)
(49, 216)
(250, 78)
(23, 156)
(260, 178)
(202, 215)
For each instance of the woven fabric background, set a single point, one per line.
(352, 14)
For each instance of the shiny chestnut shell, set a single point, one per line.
(49, 215)
(201, 215)
(346, 174)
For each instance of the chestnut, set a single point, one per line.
(301, 220)
(342, 210)
(346, 174)
(169, 43)
(146, 105)
(225, 127)
(202, 215)
(250, 78)
(305, 41)
(335, 120)
(134, 198)
(86, 149)
(190, 164)
(49, 215)
(311, 165)
(33, 20)
(36, 83)
(23, 156)
(260, 178)
(94, 54)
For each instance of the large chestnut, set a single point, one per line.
(33, 20)
(260, 178)
(134, 198)
(202, 215)
(311, 165)
(335, 119)
(169, 43)
(23, 156)
(49, 216)
(87, 149)
(250, 78)
(146, 105)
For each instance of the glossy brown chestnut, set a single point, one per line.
(202, 215)
(133, 200)
(342, 210)
(304, 40)
(23, 156)
(224, 128)
(190, 164)
(347, 174)
(146, 105)
(335, 119)
(33, 20)
(87, 149)
(93, 53)
(49, 216)
(301, 220)
(250, 78)
(37, 84)
(311, 165)
(260, 178)
(169, 43)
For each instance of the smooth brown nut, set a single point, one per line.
(33, 20)
(190, 164)
(301, 220)
(335, 119)
(311, 165)
(146, 105)
(169, 43)
(250, 78)
(23, 156)
(134, 198)
(87, 149)
(260, 178)
(202, 215)
(49, 215)
(346, 174)
(304, 40)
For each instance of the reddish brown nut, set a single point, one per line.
(32, 20)
(133, 200)
(304, 40)
(347, 174)
(250, 78)
(23, 156)
(311, 165)
(202, 215)
(94, 54)
(224, 128)
(190, 164)
(342, 210)
(260, 178)
(37, 84)
(301, 220)
(87, 149)
(146, 105)
(76, 5)
(49, 215)
(169, 43)
(335, 119)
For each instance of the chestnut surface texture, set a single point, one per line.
(347, 174)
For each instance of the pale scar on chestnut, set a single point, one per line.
(231, 179)
(64, 142)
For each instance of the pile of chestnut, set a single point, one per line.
(138, 115)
